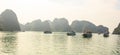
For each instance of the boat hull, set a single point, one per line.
(71, 34)
(106, 35)
(87, 35)
(47, 32)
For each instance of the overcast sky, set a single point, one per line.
(105, 12)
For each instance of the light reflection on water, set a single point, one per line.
(8, 43)
(38, 43)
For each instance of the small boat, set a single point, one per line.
(106, 35)
(71, 33)
(47, 32)
(87, 35)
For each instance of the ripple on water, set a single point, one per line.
(38, 43)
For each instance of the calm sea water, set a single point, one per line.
(58, 43)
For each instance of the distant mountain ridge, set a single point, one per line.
(9, 21)
(62, 25)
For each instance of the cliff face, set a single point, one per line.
(9, 21)
(1, 28)
(117, 30)
(60, 25)
(102, 29)
(81, 26)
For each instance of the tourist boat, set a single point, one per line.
(47, 32)
(72, 33)
(106, 34)
(87, 35)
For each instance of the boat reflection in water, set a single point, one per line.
(8, 44)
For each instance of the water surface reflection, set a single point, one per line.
(38, 43)
(8, 43)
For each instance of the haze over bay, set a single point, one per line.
(104, 12)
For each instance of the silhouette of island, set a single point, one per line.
(81, 26)
(117, 30)
(62, 25)
(102, 29)
(37, 25)
(8, 21)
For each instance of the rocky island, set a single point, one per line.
(117, 30)
(9, 21)
(62, 25)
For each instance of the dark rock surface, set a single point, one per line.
(117, 30)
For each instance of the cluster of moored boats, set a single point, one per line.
(87, 34)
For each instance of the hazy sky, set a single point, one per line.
(105, 12)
